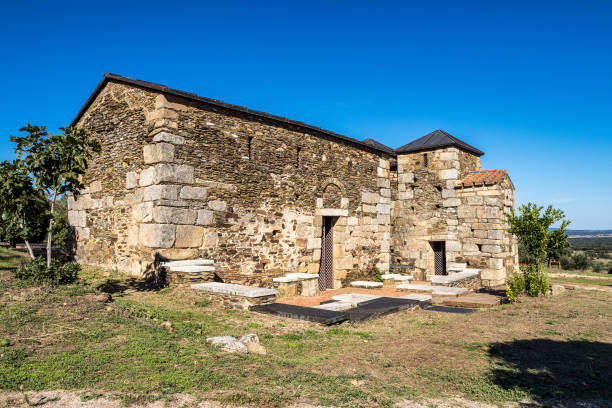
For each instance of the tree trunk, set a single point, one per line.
(30, 251)
(50, 232)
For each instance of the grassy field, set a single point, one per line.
(65, 338)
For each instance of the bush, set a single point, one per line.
(526, 281)
(377, 275)
(581, 261)
(59, 273)
(610, 267)
(566, 262)
(598, 266)
(515, 286)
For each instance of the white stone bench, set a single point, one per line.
(192, 268)
(434, 290)
(417, 297)
(190, 262)
(395, 277)
(454, 277)
(355, 298)
(306, 284)
(189, 271)
(367, 284)
(234, 289)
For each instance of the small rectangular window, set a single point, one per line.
(250, 142)
(425, 160)
(297, 159)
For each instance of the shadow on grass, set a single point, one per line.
(559, 370)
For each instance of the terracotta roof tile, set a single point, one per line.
(482, 178)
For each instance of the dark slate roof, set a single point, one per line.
(482, 178)
(378, 145)
(435, 140)
(108, 77)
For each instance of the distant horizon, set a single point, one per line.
(527, 83)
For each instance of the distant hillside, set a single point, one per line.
(589, 233)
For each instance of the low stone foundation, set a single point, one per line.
(187, 278)
(238, 302)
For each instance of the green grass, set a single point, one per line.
(10, 259)
(599, 282)
(62, 338)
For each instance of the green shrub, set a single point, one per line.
(377, 275)
(581, 261)
(527, 281)
(610, 267)
(59, 273)
(598, 266)
(515, 286)
(566, 262)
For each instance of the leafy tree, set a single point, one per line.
(23, 208)
(56, 163)
(532, 228)
(60, 225)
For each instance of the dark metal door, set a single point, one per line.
(439, 249)
(326, 268)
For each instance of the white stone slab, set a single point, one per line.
(334, 212)
(190, 262)
(336, 306)
(455, 270)
(445, 291)
(234, 289)
(396, 277)
(435, 290)
(446, 279)
(302, 275)
(366, 284)
(355, 298)
(192, 269)
(416, 288)
(417, 297)
(285, 279)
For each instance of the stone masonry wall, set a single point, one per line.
(430, 208)
(178, 180)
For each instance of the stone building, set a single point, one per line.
(184, 177)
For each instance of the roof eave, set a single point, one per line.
(164, 89)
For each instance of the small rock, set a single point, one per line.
(109, 308)
(249, 338)
(228, 344)
(255, 348)
(557, 289)
(103, 298)
(168, 326)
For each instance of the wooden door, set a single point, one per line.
(326, 268)
(439, 249)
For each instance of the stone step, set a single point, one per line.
(234, 289)
(396, 277)
(367, 284)
(192, 269)
(301, 275)
(355, 298)
(285, 279)
(336, 306)
(417, 297)
(190, 262)
(454, 277)
(434, 290)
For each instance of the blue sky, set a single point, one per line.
(529, 83)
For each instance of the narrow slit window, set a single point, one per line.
(250, 147)
(425, 160)
(298, 158)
